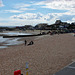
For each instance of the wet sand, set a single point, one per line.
(48, 55)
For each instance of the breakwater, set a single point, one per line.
(7, 36)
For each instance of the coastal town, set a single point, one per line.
(58, 26)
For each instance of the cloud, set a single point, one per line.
(73, 18)
(26, 9)
(32, 2)
(1, 3)
(28, 16)
(35, 18)
(21, 5)
(13, 11)
(58, 4)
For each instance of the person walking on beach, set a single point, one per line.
(25, 42)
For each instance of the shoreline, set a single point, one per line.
(48, 55)
(21, 39)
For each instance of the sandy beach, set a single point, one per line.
(48, 55)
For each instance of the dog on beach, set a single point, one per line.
(31, 43)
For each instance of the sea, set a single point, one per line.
(5, 42)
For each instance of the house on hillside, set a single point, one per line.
(41, 26)
(20, 28)
(60, 25)
(48, 27)
(29, 27)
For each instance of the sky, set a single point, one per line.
(33, 12)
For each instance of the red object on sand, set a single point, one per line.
(18, 72)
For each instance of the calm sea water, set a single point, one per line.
(16, 33)
(5, 42)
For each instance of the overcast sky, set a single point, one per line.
(32, 12)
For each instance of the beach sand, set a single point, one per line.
(46, 56)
